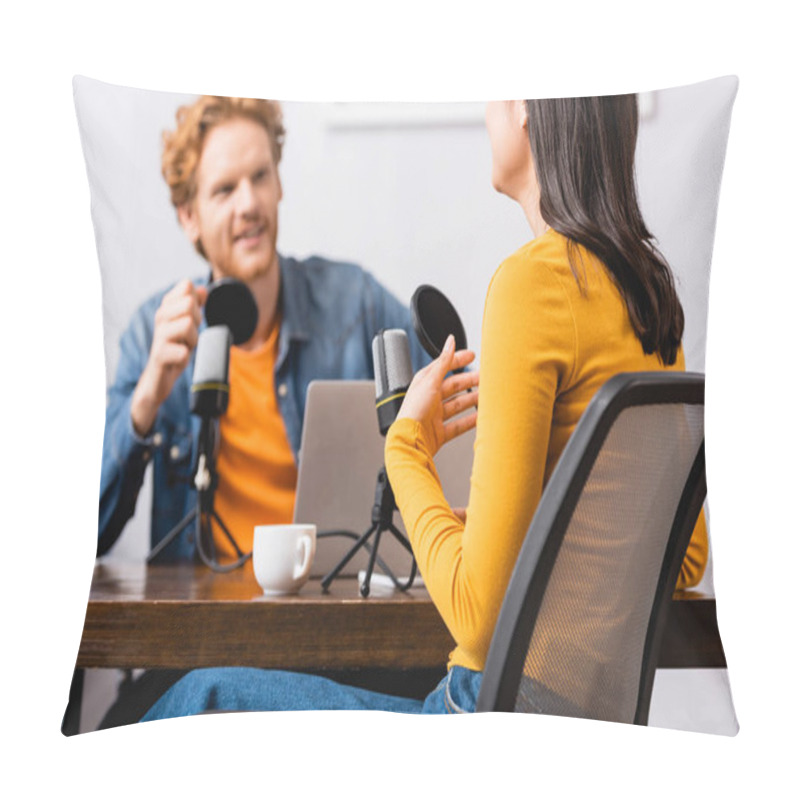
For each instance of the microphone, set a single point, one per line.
(232, 315)
(210, 386)
(391, 359)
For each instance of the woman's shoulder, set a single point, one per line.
(540, 260)
(548, 251)
(533, 280)
(553, 257)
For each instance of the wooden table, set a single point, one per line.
(179, 617)
(185, 616)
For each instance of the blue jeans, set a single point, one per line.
(246, 689)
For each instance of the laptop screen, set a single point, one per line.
(341, 454)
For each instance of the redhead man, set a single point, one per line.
(316, 320)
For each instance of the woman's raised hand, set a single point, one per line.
(436, 401)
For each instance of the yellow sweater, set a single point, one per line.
(547, 347)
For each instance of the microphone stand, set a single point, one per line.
(382, 520)
(206, 480)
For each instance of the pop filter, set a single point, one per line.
(231, 303)
(434, 319)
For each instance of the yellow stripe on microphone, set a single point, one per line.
(220, 387)
(389, 399)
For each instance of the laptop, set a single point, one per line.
(341, 453)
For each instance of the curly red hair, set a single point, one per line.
(184, 145)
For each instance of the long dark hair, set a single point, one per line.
(583, 152)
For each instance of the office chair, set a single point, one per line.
(581, 623)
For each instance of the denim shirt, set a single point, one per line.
(330, 313)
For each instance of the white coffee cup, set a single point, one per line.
(282, 556)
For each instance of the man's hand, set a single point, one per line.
(174, 338)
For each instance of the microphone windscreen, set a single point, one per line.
(231, 303)
(212, 355)
(435, 318)
(392, 361)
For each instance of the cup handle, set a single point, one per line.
(304, 549)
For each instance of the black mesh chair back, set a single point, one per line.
(581, 623)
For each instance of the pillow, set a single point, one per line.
(372, 185)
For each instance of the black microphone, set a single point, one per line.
(391, 359)
(231, 314)
(210, 387)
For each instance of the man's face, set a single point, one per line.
(234, 214)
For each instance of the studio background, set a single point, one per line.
(403, 189)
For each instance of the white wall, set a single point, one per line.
(405, 193)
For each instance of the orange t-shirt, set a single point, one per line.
(256, 466)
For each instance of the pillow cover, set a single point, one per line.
(369, 184)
